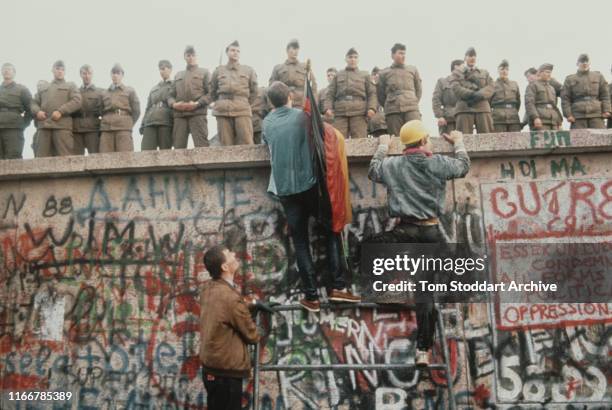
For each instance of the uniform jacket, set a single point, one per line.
(59, 96)
(585, 95)
(351, 93)
(192, 84)
(293, 74)
(121, 108)
(158, 112)
(541, 102)
(505, 102)
(226, 327)
(444, 100)
(473, 89)
(233, 89)
(15, 101)
(399, 89)
(87, 118)
(259, 108)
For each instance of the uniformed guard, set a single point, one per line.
(377, 125)
(293, 74)
(330, 75)
(541, 102)
(473, 88)
(86, 121)
(233, 90)
(15, 114)
(53, 107)
(190, 97)
(121, 111)
(585, 98)
(444, 101)
(351, 99)
(156, 128)
(506, 101)
(399, 91)
(260, 110)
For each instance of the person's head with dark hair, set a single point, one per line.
(531, 74)
(293, 49)
(455, 64)
(220, 262)
(331, 74)
(165, 69)
(233, 51)
(398, 53)
(278, 94)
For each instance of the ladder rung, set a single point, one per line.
(344, 366)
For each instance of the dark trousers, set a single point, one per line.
(299, 208)
(222, 393)
(426, 314)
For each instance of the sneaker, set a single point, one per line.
(311, 305)
(343, 295)
(422, 358)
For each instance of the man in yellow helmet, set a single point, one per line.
(416, 186)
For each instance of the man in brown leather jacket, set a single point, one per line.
(156, 128)
(121, 111)
(444, 101)
(585, 98)
(190, 97)
(473, 88)
(226, 327)
(399, 91)
(351, 99)
(15, 115)
(506, 101)
(86, 121)
(233, 89)
(541, 102)
(293, 74)
(53, 107)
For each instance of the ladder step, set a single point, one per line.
(343, 366)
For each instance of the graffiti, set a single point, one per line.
(559, 168)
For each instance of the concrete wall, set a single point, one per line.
(101, 261)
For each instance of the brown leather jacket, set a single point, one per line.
(226, 327)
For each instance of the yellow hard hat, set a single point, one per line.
(413, 131)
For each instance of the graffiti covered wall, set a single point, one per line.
(100, 274)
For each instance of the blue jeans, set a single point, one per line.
(298, 209)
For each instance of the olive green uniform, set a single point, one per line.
(121, 110)
(586, 97)
(157, 121)
(293, 74)
(15, 116)
(350, 95)
(86, 121)
(192, 84)
(443, 102)
(55, 137)
(234, 89)
(399, 91)
(473, 89)
(260, 110)
(505, 105)
(377, 125)
(321, 103)
(541, 102)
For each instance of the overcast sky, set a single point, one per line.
(139, 34)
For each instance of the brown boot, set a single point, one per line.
(343, 295)
(311, 305)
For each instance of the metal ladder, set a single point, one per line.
(257, 367)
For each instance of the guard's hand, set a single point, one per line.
(571, 119)
(454, 137)
(442, 122)
(191, 106)
(329, 113)
(179, 106)
(41, 116)
(537, 123)
(607, 114)
(384, 139)
(371, 113)
(56, 115)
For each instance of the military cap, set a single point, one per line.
(470, 52)
(352, 52)
(58, 64)
(530, 70)
(375, 70)
(546, 66)
(86, 67)
(164, 63)
(583, 58)
(332, 69)
(117, 69)
(189, 49)
(293, 43)
(504, 64)
(234, 43)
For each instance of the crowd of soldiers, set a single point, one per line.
(71, 119)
